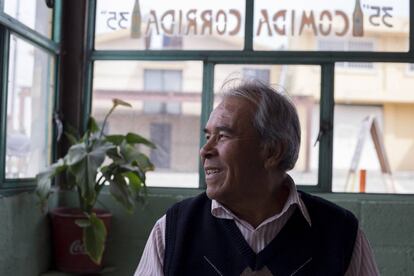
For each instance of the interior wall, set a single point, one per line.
(24, 236)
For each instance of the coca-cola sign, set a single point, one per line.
(77, 248)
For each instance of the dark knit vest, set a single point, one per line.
(199, 244)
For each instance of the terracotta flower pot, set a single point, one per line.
(68, 248)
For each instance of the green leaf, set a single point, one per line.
(134, 182)
(133, 138)
(94, 238)
(115, 156)
(121, 192)
(115, 139)
(83, 223)
(71, 133)
(76, 153)
(92, 125)
(43, 180)
(117, 102)
(86, 167)
(132, 154)
(71, 138)
(144, 163)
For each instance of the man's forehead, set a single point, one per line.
(229, 111)
(224, 111)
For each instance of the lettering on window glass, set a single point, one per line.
(229, 22)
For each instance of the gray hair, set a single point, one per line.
(275, 119)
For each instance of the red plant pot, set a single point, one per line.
(69, 251)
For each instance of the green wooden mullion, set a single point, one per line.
(265, 57)
(56, 100)
(326, 126)
(56, 37)
(248, 26)
(411, 17)
(57, 21)
(14, 188)
(28, 34)
(4, 65)
(207, 100)
(89, 62)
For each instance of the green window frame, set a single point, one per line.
(11, 26)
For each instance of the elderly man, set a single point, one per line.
(251, 220)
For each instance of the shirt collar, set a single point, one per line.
(220, 211)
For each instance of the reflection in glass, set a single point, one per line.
(302, 84)
(170, 25)
(29, 107)
(33, 13)
(166, 100)
(301, 25)
(373, 130)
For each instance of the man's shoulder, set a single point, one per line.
(318, 206)
(190, 203)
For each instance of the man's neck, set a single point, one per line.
(261, 207)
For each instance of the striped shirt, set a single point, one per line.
(151, 264)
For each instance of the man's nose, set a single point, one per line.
(209, 149)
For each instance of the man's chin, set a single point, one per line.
(211, 192)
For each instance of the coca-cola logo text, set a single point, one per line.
(77, 248)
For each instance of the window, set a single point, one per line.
(172, 42)
(259, 74)
(166, 25)
(298, 25)
(28, 74)
(29, 109)
(35, 14)
(162, 81)
(161, 136)
(373, 131)
(166, 107)
(348, 45)
(338, 70)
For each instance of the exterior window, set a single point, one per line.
(259, 74)
(297, 25)
(174, 57)
(172, 42)
(33, 13)
(373, 133)
(166, 108)
(348, 45)
(170, 25)
(161, 136)
(162, 82)
(29, 109)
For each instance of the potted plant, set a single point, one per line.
(92, 162)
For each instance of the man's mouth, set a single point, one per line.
(211, 171)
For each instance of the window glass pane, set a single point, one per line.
(302, 84)
(33, 13)
(356, 25)
(166, 100)
(29, 108)
(170, 25)
(373, 130)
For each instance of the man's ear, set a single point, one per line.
(273, 155)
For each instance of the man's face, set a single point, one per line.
(232, 156)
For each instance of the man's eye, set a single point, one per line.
(207, 137)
